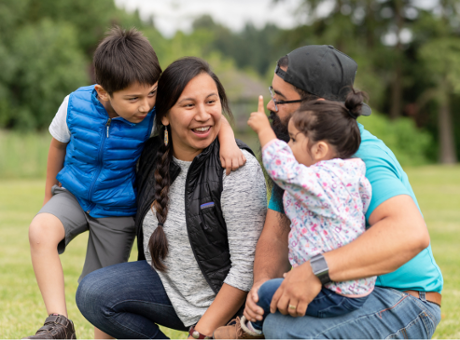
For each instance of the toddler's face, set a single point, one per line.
(298, 143)
(132, 103)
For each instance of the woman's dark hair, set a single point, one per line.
(333, 122)
(170, 86)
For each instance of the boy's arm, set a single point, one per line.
(56, 155)
(231, 156)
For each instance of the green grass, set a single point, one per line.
(22, 309)
(23, 157)
(437, 190)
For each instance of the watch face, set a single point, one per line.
(320, 269)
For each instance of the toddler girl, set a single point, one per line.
(326, 195)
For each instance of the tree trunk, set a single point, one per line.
(396, 88)
(447, 150)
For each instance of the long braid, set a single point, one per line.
(158, 243)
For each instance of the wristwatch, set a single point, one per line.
(320, 269)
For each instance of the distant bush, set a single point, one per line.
(410, 145)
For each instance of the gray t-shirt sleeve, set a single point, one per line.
(244, 206)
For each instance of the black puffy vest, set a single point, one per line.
(206, 226)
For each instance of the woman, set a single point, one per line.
(197, 227)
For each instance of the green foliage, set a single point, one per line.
(23, 155)
(410, 145)
(44, 76)
(45, 53)
(252, 48)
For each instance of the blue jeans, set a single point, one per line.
(387, 313)
(326, 304)
(127, 301)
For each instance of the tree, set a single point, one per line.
(441, 57)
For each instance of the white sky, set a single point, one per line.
(172, 15)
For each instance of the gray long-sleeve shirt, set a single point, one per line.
(244, 206)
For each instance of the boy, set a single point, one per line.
(98, 135)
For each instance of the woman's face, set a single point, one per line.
(195, 118)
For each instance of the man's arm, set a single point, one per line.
(271, 259)
(398, 234)
(56, 155)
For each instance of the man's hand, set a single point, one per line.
(252, 311)
(299, 288)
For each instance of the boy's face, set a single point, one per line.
(132, 103)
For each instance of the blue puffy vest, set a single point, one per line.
(100, 161)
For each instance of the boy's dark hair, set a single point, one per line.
(123, 58)
(333, 122)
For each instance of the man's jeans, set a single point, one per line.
(326, 304)
(127, 301)
(387, 313)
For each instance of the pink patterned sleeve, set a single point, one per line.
(309, 185)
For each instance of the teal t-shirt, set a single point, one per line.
(388, 179)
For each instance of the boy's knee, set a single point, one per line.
(45, 229)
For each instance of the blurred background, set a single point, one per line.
(408, 52)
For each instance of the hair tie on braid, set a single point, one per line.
(160, 224)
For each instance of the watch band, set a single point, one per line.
(320, 269)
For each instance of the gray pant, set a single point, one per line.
(110, 238)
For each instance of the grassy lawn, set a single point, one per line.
(22, 310)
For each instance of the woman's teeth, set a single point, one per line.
(202, 129)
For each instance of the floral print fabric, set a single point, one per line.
(326, 204)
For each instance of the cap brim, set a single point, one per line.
(366, 110)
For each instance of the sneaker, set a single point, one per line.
(56, 327)
(236, 329)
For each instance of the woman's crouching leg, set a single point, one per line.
(127, 300)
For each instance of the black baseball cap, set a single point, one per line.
(322, 71)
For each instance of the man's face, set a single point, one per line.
(282, 91)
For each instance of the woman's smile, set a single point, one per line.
(202, 131)
(195, 118)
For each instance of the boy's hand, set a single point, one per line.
(258, 121)
(231, 156)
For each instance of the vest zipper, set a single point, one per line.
(108, 126)
(99, 163)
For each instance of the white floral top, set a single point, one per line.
(326, 204)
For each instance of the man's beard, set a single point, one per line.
(281, 132)
(280, 129)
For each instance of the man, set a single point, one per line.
(396, 247)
